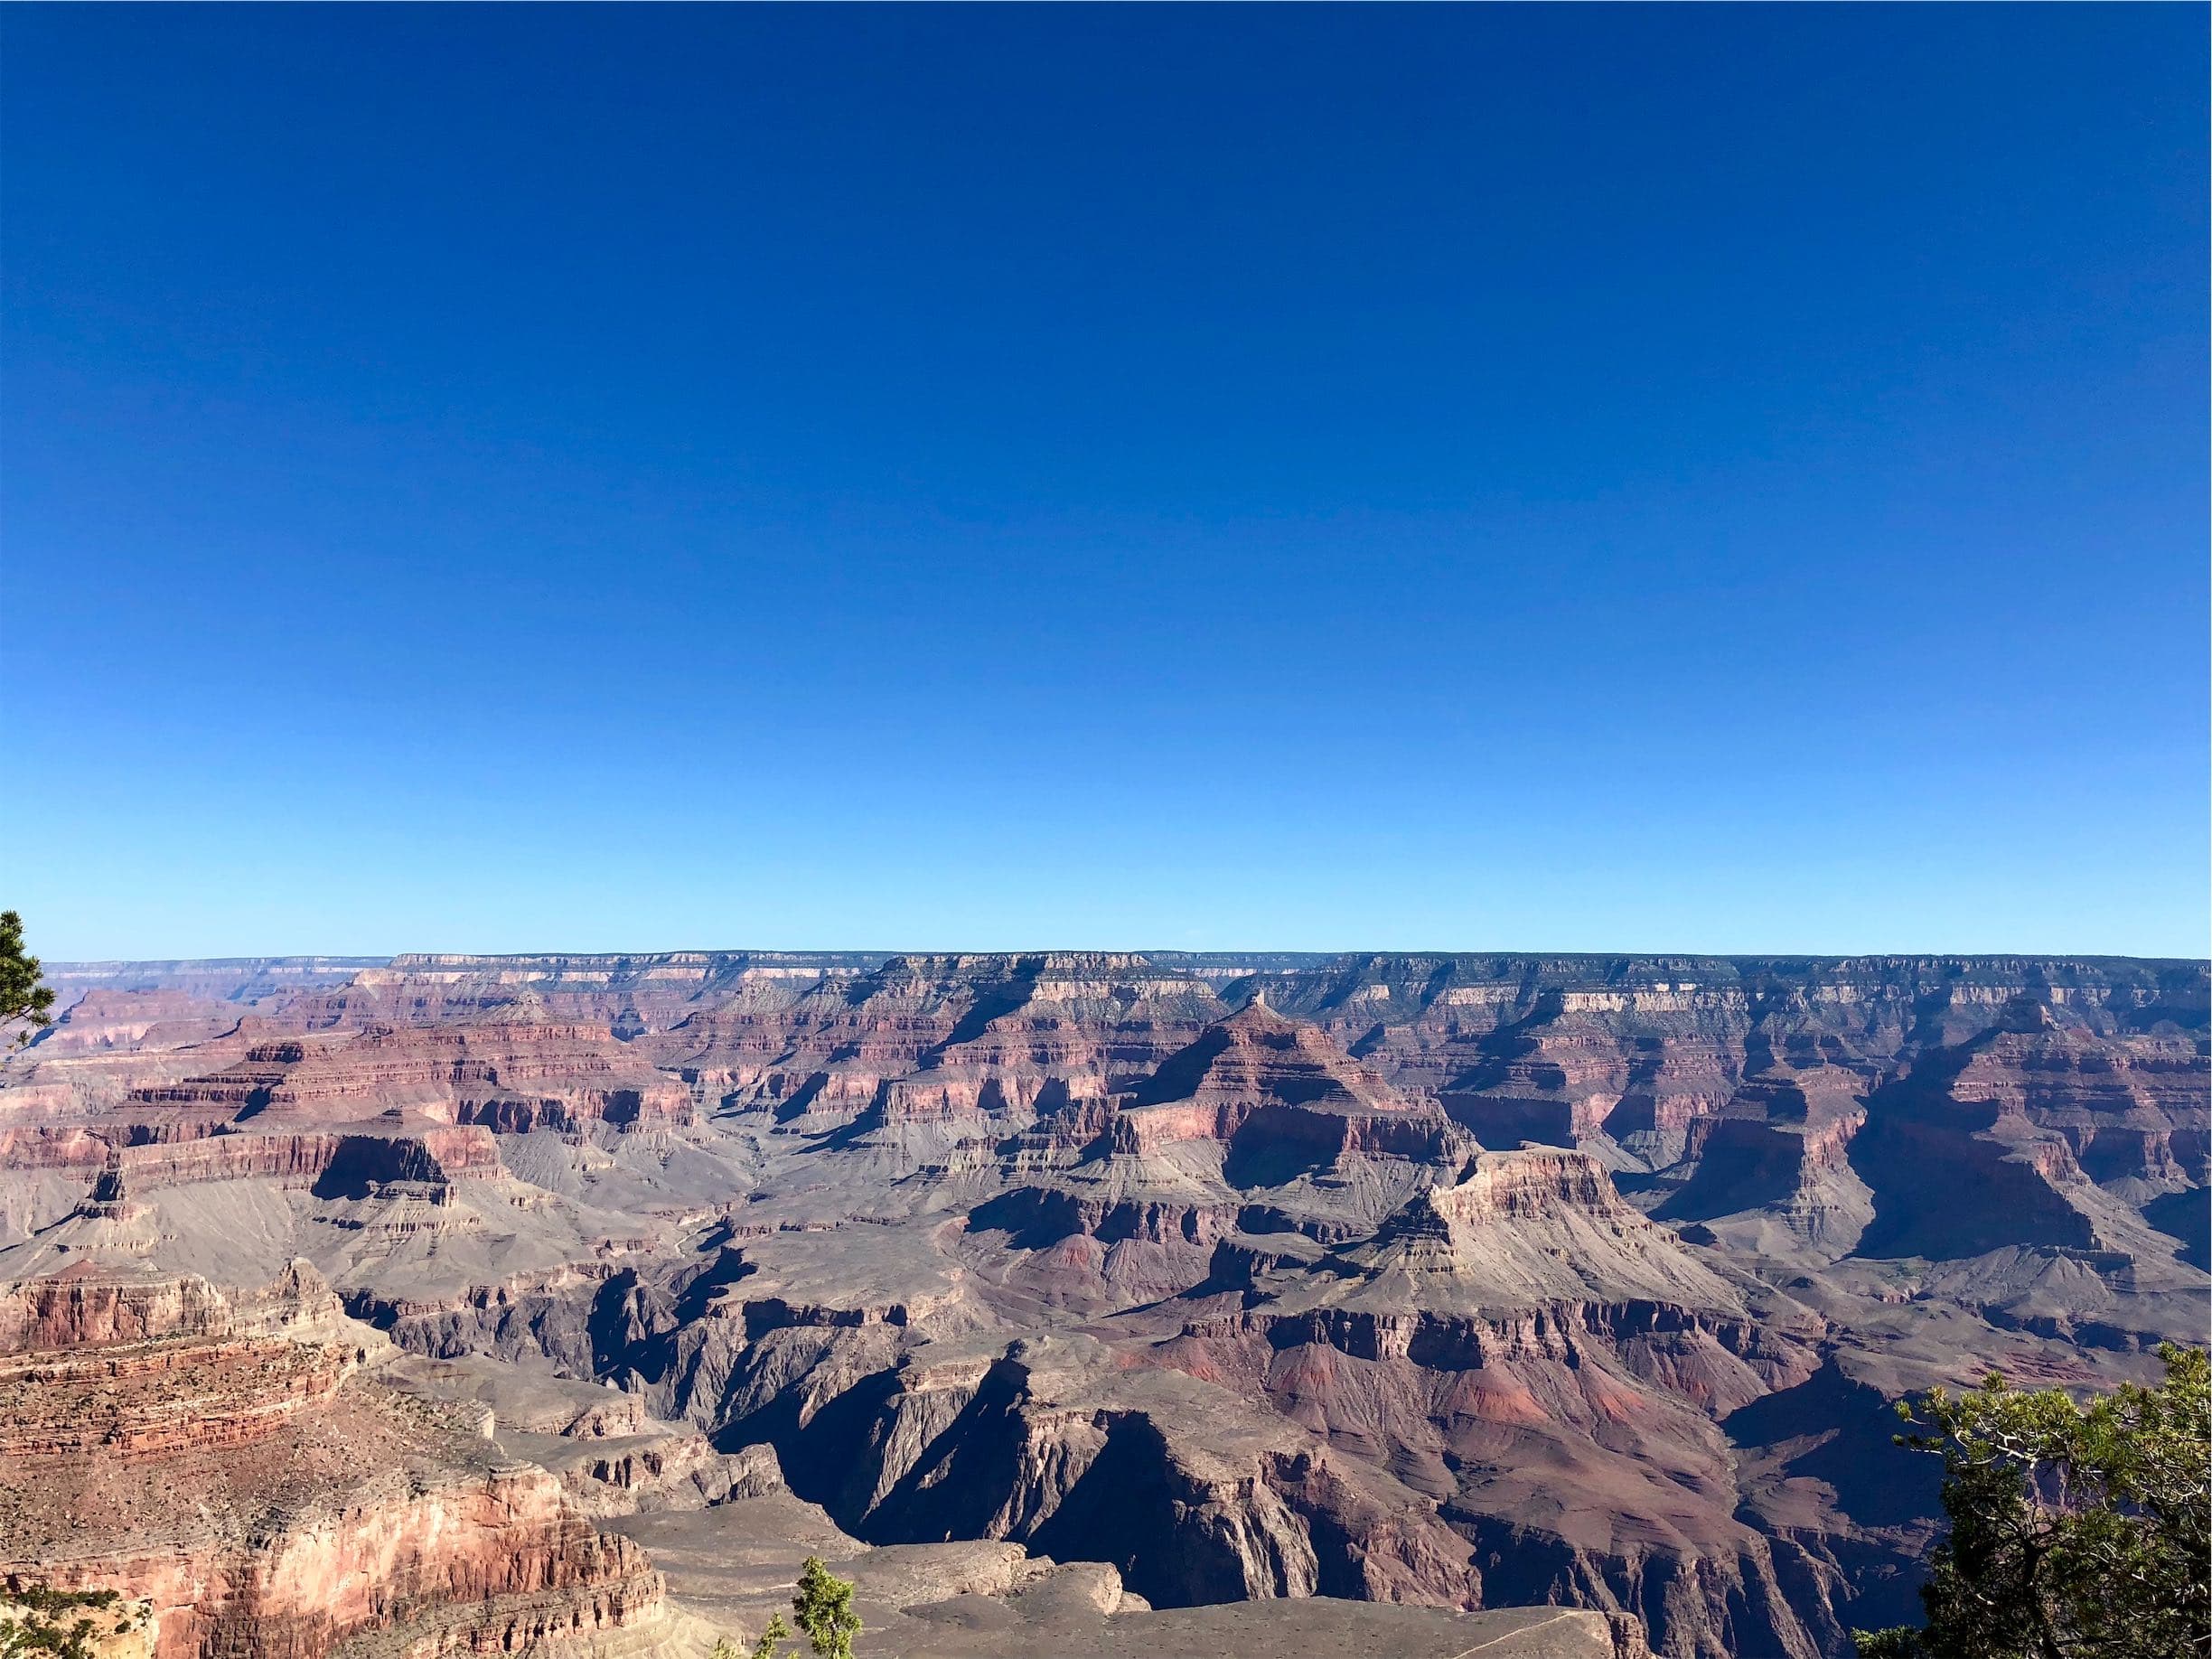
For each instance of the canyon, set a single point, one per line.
(1086, 1303)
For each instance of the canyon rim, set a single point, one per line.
(1071, 1302)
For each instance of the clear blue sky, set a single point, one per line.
(504, 478)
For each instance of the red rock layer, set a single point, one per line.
(225, 1463)
(926, 1038)
(512, 1073)
(1284, 1083)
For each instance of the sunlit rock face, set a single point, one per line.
(1433, 1284)
(229, 1461)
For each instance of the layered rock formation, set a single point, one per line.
(512, 1067)
(229, 1464)
(1431, 1284)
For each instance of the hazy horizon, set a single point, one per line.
(339, 958)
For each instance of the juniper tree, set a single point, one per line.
(824, 1606)
(22, 996)
(2076, 1532)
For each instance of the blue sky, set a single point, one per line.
(1717, 479)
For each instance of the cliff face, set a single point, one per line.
(106, 1021)
(512, 1068)
(228, 1462)
(927, 1038)
(1451, 1282)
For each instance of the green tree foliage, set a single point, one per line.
(52, 1624)
(2077, 1533)
(22, 996)
(824, 1606)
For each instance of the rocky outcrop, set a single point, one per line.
(1524, 1228)
(1050, 1443)
(84, 1307)
(335, 1164)
(105, 1021)
(924, 1040)
(229, 1464)
(512, 1068)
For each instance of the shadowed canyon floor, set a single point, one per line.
(1070, 1303)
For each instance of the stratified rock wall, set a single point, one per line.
(230, 1463)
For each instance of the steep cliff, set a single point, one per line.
(230, 1463)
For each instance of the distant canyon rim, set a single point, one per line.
(1070, 1302)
